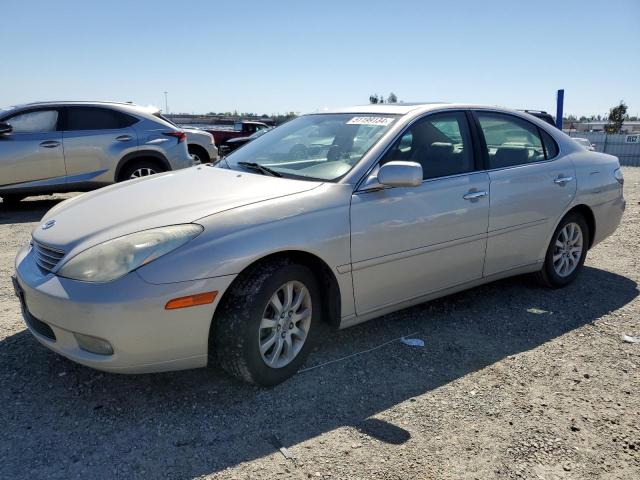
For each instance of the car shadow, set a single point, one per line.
(26, 211)
(62, 418)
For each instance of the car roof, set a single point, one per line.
(388, 108)
(98, 103)
(415, 108)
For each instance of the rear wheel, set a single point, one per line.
(566, 252)
(11, 200)
(262, 332)
(140, 168)
(199, 154)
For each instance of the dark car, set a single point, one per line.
(542, 115)
(233, 143)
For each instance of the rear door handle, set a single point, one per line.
(562, 180)
(49, 144)
(475, 196)
(124, 138)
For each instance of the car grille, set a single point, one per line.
(46, 257)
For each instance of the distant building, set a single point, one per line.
(598, 126)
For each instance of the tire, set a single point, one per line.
(550, 275)
(239, 329)
(199, 154)
(11, 200)
(140, 168)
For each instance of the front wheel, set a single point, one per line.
(566, 252)
(262, 331)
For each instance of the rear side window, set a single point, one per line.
(34, 122)
(510, 140)
(90, 118)
(551, 149)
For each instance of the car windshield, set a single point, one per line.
(319, 147)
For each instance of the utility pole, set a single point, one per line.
(166, 105)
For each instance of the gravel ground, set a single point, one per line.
(514, 381)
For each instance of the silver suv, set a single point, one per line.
(52, 147)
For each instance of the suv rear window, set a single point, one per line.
(93, 118)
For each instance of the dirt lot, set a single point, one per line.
(514, 381)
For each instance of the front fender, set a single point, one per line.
(316, 222)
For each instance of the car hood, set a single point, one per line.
(171, 198)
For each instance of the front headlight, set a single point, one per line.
(115, 258)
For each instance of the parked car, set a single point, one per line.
(49, 147)
(236, 264)
(233, 143)
(542, 115)
(200, 144)
(585, 143)
(222, 133)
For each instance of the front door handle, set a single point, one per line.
(562, 180)
(124, 138)
(475, 196)
(49, 144)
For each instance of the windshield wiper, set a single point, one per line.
(260, 168)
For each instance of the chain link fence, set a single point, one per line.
(615, 144)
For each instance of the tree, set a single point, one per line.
(374, 98)
(392, 98)
(616, 118)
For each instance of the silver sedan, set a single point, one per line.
(334, 217)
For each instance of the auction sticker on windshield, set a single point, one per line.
(383, 121)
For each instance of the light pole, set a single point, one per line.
(166, 105)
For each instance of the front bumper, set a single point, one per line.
(129, 313)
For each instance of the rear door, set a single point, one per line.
(531, 186)
(95, 139)
(33, 150)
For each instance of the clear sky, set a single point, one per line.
(278, 56)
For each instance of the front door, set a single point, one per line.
(408, 242)
(33, 150)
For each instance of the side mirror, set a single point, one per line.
(395, 174)
(5, 128)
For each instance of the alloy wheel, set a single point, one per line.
(285, 324)
(142, 172)
(567, 249)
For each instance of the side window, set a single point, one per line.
(89, 118)
(510, 140)
(551, 149)
(441, 143)
(34, 122)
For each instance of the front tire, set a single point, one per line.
(263, 329)
(566, 252)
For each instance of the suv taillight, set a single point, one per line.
(181, 136)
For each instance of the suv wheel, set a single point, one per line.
(140, 168)
(262, 333)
